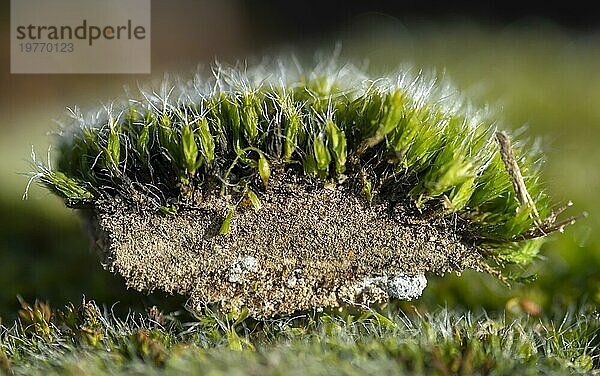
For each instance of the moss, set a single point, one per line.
(399, 137)
(85, 339)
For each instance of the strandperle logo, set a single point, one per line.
(87, 32)
(80, 36)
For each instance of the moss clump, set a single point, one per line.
(409, 139)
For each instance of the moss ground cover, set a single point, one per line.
(82, 339)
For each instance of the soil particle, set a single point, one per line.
(245, 265)
(308, 246)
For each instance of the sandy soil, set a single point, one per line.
(310, 245)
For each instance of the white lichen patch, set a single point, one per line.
(405, 287)
(243, 266)
(400, 286)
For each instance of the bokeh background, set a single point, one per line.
(541, 67)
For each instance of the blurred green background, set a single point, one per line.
(541, 73)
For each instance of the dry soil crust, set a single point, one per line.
(308, 246)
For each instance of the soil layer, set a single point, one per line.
(308, 246)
